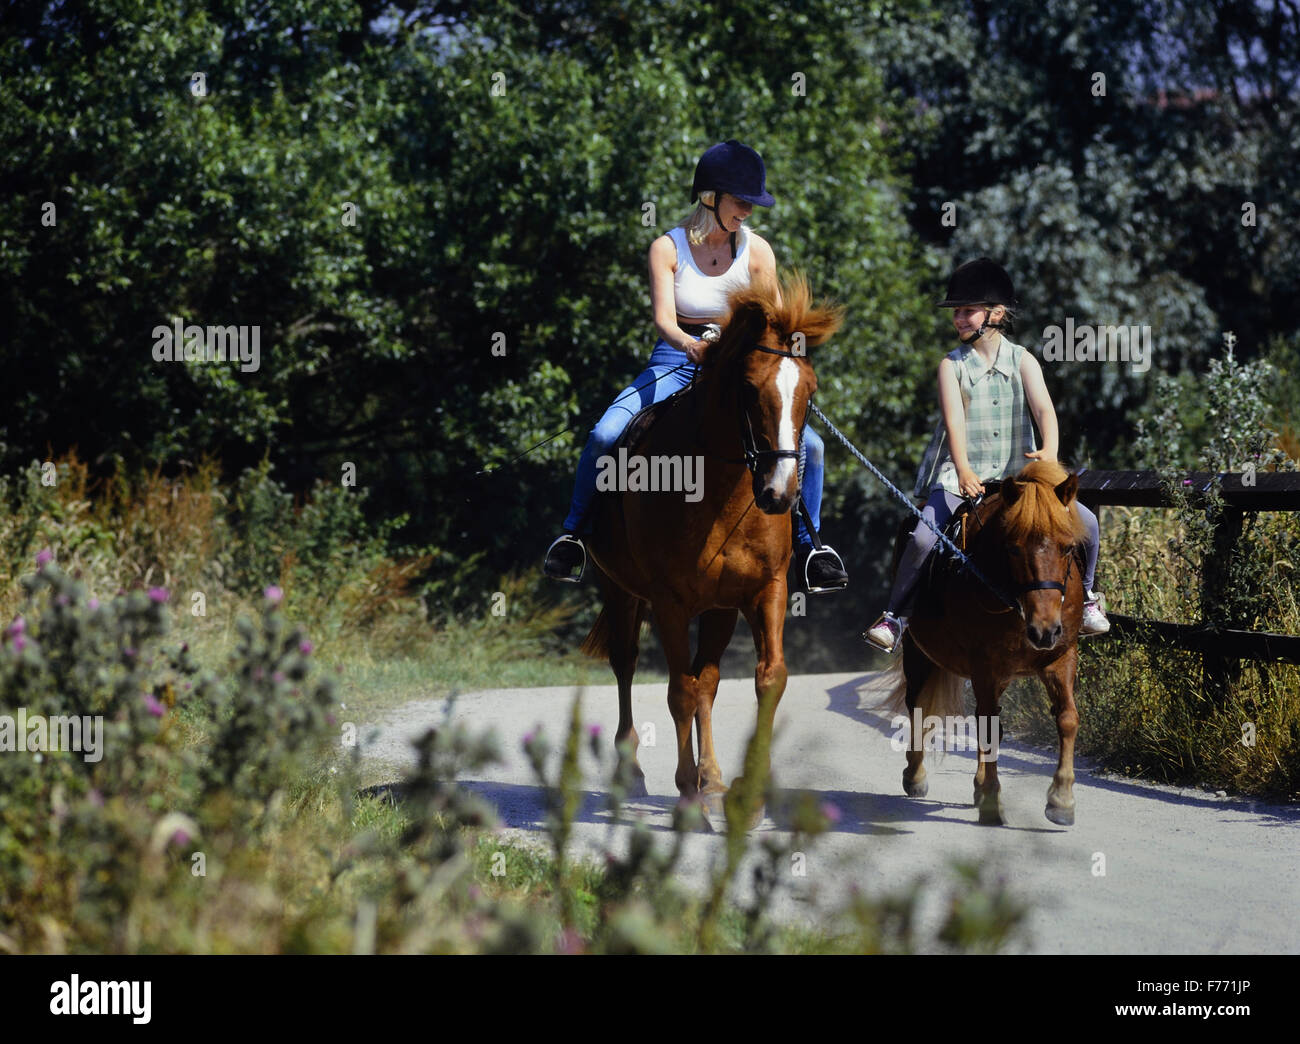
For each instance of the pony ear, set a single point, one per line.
(1011, 490)
(1067, 490)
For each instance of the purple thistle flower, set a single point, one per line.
(44, 557)
(593, 731)
(155, 708)
(92, 604)
(278, 677)
(180, 837)
(20, 643)
(305, 647)
(273, 595)
(831, 812)
(17, 627)
(158, 594)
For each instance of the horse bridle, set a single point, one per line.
(752, 455)
(1032, 585)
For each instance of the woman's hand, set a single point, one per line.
(1041, 454)
(695, 351)
(968, 483)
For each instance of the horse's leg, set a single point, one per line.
(916, 669)
(1059, 681)
(766, 616)
(988, 789)
(716, 628)
(675, 636)
(626, 613)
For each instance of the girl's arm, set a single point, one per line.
(663, 299)
(954, 418)
(1040, 405)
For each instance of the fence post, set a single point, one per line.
(1220, 669)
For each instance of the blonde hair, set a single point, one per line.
(701, 221)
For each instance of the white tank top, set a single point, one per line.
(703, 298)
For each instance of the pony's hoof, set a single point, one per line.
(1060, 816)
(917, 788)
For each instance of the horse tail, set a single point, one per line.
(943, 693)
(596, 644)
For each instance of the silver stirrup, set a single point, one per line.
(823, 550)
(570, 578)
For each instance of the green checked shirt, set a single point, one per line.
(999, 428)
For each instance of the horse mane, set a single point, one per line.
(755, 307)
(1038, 511)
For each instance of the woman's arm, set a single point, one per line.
(762, 264)
(954, 419)
(663, 299)
(1040, 405)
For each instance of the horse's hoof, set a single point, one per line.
(1060, 816)
(636, 787)
(713, 801)
(692, 813)
(916, 788)
(991, 810)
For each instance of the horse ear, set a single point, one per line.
(1011, 490)
(748, 321)
(1067, 490)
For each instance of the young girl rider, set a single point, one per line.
(692, 270)
(985, 386)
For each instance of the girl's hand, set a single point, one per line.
(1041, 455)
(695, 351)
(968, 483)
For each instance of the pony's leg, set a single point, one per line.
(766, 617)
(916, 669)
(988, 789)
(626, 614)
(716, 628)
(675, 636)
(1059, 682)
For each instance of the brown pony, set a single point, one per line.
(726, 552)
(1024, 542)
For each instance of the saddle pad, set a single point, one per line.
(644, 420)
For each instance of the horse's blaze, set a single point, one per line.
(776, 494)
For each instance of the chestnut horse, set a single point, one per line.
(726, 552)
(1024, 542)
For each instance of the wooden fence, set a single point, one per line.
(1221, 648)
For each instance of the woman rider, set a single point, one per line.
(692, 270)
(988, 388)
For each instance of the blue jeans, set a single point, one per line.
(655, 383)
(939, 509)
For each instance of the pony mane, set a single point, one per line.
(1038, 511)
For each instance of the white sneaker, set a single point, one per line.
(886, 632)
(1094, 618)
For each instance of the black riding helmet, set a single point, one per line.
(733, 168)
(980, 282)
